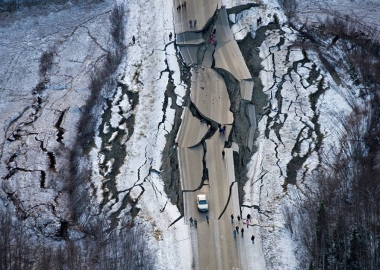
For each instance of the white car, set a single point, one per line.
(202, 203)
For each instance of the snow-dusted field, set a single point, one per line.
(32, 119)
(37, 124)
(301, 126)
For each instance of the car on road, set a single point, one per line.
(202, 203)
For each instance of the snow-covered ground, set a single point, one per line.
(297, 127)
(81, 36)
(145, 71)
(31, 122)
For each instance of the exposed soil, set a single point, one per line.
(249, 49)
(241, 125)
(170, 167)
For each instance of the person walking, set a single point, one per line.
(237, 229)
(195, 23)
(133, 39)
(249, 216)
(239, 218)
(247, 223)
(195, 223)
(207, 218)
(253, 239)
(242, 232)
(222, 130)
(234, 232)
(170, 35)
(191, 221)
(223, 154)
(191, 23)
(232, 218)
(184, 4)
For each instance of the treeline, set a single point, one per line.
(339, 217)
(20, 248)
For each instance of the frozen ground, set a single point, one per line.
(36, 124)
(34, 129)
(299, 127)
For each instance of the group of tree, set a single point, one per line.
(339, 216)
(92, 244)
(22, 248)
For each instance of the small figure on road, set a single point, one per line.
(191, 23)
(223, 154)
(237, 229)
(249, 216)
(191, 221)
(195, 223)
(232, 218)
(179, 7)
(184, 4)
(253, 239)
(170, 35)
(133, 39)
(207, 218)
(214, 30)
(247, 223)
(195, 23)
(239, 218)
(234, 232)
(222, 130)
(242, 232)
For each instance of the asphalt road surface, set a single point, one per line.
(227, 52)
(214, 246)
(199, 10)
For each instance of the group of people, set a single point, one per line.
(247, 221)
(191, 22)
(222, 131)
(259, 21)
(195, 221)
(236, 230)
(183, 6)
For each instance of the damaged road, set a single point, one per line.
(204, 169)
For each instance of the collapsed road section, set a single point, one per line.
(205, 137)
